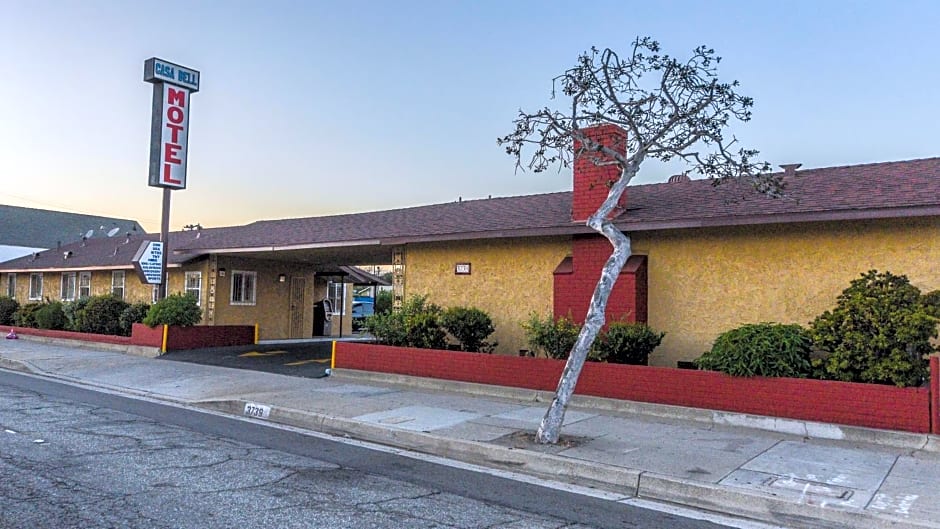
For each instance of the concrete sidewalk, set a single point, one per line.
(827, 476)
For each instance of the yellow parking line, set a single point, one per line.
(302, 362)
(266, 353)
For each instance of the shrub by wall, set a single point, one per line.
(880, 331)
(50, 316)
(133, 314)
(176, 309)
(761, 349)
(553, 337)
(8, 308)
(626, 343)
(102, 315)
(25, 315)
(471, 327)
(417, 324)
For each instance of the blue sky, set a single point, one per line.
(312, 108)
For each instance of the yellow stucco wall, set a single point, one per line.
(271, 311)
(706, 281)
(509, 279)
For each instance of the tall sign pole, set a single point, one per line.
(169, 140)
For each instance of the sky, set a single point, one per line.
(316, 108)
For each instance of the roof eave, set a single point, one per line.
(781, 218)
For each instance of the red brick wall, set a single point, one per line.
(868, 405)
(70, 335)
(200, 336)
(573, 289)
(178, 338)
(935, 393)
(590, 180)
(149, 336)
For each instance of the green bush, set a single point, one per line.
(8, 308)
(133, 314)
(74, 312)
(417, 324)
(102, 315)
(175, 309)
(25, 316)
(470, 327)
(761, 349)
(383, 302)
(50, 316)
(626, 343)
(879, 332)
(553, 337)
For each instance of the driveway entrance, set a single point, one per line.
(299, 358)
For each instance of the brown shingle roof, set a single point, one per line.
(97, 252)
(486, 217)
(879, 190)
(876, 190)
(859, 191)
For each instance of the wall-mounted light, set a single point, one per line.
(281, 278)
(221, 272)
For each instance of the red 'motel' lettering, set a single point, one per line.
(171, 153)
(168, 173)
(174, 114)
(176, 97)
(172, 150)
(174, 132)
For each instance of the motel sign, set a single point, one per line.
(169, 126)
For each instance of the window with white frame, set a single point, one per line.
(11, 286)
(67, 293)
(243, 287)
(35, 286)
(337, 294)
(117, 284)
(193, 285)
(155, 294)
(84, 284)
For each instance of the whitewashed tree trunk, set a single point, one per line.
(550, 427)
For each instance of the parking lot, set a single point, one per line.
(300, 359)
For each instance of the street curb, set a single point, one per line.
(809, 429)
(619, 480)
(767, 507)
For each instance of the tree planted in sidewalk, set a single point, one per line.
(670, 109)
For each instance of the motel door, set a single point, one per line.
(297, 285)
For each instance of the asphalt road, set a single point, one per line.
(73, 457)
(300, 360)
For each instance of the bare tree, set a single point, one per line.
(669, 109)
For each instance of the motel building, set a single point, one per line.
(705, 258)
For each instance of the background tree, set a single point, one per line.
(670, 109)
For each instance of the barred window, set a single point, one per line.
(243, 287)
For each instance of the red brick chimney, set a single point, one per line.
(591, 181)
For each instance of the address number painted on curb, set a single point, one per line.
(257, 410)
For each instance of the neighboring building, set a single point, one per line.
(26, 230)
(706, 258)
